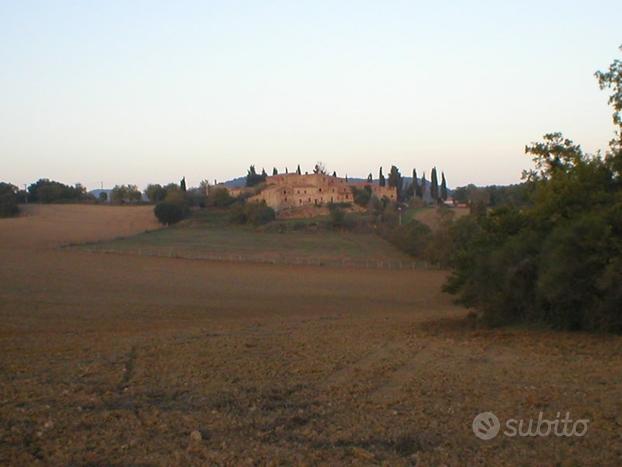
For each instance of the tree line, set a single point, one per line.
(550, 249)
(432, 191)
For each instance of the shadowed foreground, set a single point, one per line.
(128, 359)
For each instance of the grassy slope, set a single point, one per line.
(209, 234)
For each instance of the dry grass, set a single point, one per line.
(118, 359)
(430, 215)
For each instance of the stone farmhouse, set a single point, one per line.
(288, 191)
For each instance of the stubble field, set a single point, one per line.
(113, 359)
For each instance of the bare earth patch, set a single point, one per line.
(110, 359)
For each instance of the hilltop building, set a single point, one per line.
(287, 191)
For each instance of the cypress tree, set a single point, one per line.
(434, 185)
(370, 179)
(252, 177)
(182, 184)
(274, 171)
(298, 170)
(381, 180)
(443, 187)
(414, 188)
(395, 180)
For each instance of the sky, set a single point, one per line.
(117, 92)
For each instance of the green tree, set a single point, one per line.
(557, 260)
(361, 196)
(298, 170)
(274, 171)
(320, 168)
(443, 187)
(381, 179)
(182, 184)
(220, 198)
(395, 181)
(155, 193)
(168, 213)
(337, 216)
(434, 185)
(8, 200)
(253, 178)
(612, 80)
(49, 191)
(414, 190)
(125, 194)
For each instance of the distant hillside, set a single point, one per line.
(235, 182)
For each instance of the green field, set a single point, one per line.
(208, 235)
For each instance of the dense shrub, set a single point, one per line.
(219, 198)
(337, 216)
(361, 196)
(8, 200)
(259, 213)
(196, 197)
(251, 213)
(169, 212)
(412, 238)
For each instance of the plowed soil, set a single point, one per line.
(112, 359)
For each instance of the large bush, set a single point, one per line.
(412, 238)
(251, 213)
(361, 196)
(8, 200)
(169, 213)
(219, 198)
(559, 260)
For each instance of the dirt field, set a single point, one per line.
(112, 359)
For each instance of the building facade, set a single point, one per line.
(287, 191)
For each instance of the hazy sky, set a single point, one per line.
(145, 91)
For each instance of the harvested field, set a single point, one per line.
(211, 236)
(110, 359)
